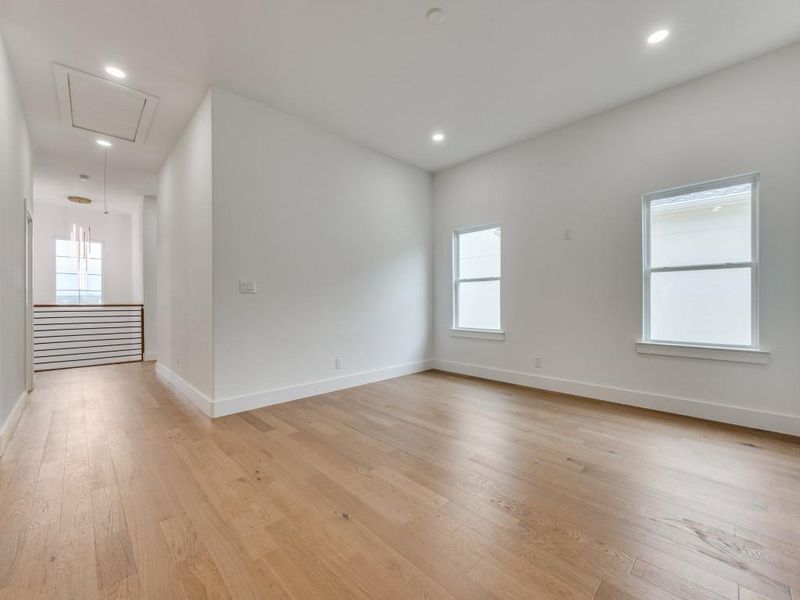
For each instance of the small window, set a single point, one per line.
(701, 264)
(79, 281)
(476, 286)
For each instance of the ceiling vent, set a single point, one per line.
(103, 107)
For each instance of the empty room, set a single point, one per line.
(400, 300)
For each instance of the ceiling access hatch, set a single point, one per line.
(103, 107)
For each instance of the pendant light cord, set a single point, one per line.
(105, 182)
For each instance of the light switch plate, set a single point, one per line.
(247, 286)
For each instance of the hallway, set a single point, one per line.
(427, 486)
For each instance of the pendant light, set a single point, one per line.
(81, 237)
(81, 234)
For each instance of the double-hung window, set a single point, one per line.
(476, 279)
(700, 261)
(79, 281)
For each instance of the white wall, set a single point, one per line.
(15, 196)
(577, 303)
(136, 274)
(338, 239)
(150, 275)
(118, 233)
(184, 256)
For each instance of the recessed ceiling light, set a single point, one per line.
(104, 143)
(438, 137)
(658, 36)
(84, 178)
(436, 15)
(115, 72)
(716, 209)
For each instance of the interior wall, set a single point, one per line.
(184, 257)
(338, 240)
(576, 303)
(15, 196)
(136, 274)
(150, 275)
(121, 251)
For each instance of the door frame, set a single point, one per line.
(28, 298)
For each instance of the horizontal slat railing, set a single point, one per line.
(66, 336)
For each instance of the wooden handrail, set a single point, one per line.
(83, 305)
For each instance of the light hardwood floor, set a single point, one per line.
(428, 486)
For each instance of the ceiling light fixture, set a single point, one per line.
(104, 143)
(436, 16)
(658, 36)
(81, 238)
(115, 72)
(438, 137)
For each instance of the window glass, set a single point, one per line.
(477, 279)
(706, 228)
(479, 254)
(702, 307)
(78, 282)
(479, 304)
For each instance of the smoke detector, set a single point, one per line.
(436, 15)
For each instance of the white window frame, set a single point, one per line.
(491, 334)
(56, 256)
(648, 345)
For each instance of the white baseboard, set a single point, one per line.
(229, 406)
(198, 398)
(150, 356)
(724, 413)
(237, 404)
(8, 428)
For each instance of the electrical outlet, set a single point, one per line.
(178, 362)
(338, 363)
(538, 362)
(247, 286)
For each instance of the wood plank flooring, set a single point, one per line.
(429, 486)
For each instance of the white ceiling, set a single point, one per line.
(58, 177)
(101, 106)
(496, 71)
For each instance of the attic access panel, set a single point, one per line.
(103, 107)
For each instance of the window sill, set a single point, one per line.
(742, 355)
(483, 334)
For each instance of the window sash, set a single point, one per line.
(457, 279)
(708, 267)
(648, 270)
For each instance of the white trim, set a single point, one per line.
(236, 404)
(150, 356)
(186, 389)
(29, 379)
(744, 355)
(754, 179)
(724, 413)
(8, 428)
(482, 334)
(456, 274)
